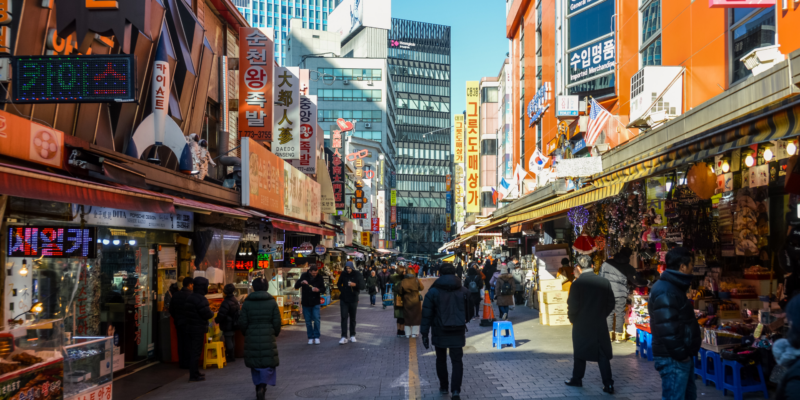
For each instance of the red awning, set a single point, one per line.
(34, 184)
(194, 205)
(298, 227)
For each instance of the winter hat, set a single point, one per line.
(447, 269)
(349, 264)
(229, 289)
(259, 285)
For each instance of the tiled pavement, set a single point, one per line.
(379, 362)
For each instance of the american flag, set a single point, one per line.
(598, 119)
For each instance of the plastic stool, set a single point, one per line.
(218, 359)
(645, 346)
(497, 337)
(733, 381)
(713, 370)
(699, 364)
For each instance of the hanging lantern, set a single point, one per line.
(702, 180)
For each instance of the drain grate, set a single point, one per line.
(316, 392)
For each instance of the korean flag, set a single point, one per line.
(537, 161)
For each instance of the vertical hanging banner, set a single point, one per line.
(393, 198)
(459, 133)
(256, 55)
(287, 113)
(308, 135)
(473, 148)
(159, 92)
(336, 168)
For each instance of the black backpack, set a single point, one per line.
(473, 286)
(506, 289)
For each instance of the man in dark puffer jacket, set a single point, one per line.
(446, 309)
(676, 334)
(196, 316)
(177, 310)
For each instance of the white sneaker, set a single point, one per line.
(352, 339)
(413, 336)
(316, 341)
(310, 341)
(343, 341)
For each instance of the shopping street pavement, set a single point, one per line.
(382, 366)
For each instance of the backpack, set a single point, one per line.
(473, 286)
(506, 289)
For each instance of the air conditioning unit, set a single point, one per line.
(346, 82)
(650, 83)
(367, 125)
(370, 83)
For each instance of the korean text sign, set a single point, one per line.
(592, 60)
(459, 127)
(262, 178)
(336, 167)
(287, 113)
(26, 140)
(256, 66)
(308, 135)
(473, 148)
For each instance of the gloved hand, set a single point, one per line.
(425, 341)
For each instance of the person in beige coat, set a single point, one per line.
(504, 288)
(410, 287)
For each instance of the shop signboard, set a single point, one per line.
(539, 103)
(286, 92)
(52, 242)
(256, 55)
(179, 221)
(45, 382)
(308, 135)
(393, 198)
(320, 250)
(473, 147)
(579, 145)
(393, 215)
(448, 181)
(81, 79)
(376, 224)
(305, 248)
(567, 106)
(336, 168)
(591, 61)
(102, 392)
(448, 223)
(393, 232)
(365, 239)
(577, 5)
(381, 210)
(326, 188)
(262, 178)
(30, 141)
(459, 139)
(552, 145)
(302, 197)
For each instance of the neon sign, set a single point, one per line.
(51, 242)
(74, 79)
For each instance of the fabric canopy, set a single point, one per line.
(34, 184)
(303, 228)
(577, 198)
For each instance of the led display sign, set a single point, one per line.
(74, 79)
(51, 242)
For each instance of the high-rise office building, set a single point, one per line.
(419, 65)
(276, 14)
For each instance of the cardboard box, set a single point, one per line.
(550, 285)
(558, 320)
(555, 309)
(730, 314)
(543, 319)
(559, 297)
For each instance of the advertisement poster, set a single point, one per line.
(473, 147)
(256, 57)
(45, 382)
(308, 135)
(287, 113)
(262, 178)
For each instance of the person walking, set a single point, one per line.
(590, 300)
(372, 287)
(227, 317)
(676, 334)
(396, 278)
(519, 283)
(504, 292)
(620, 273)
(350, 283)
(488, 273)
(312, 285)
(446, 311)
(197, 313)
(177, 310)
(383, 281)
(410, 287)
(474, 284)
(460, 270)
(787, 354)
(260, 322)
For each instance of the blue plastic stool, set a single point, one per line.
(700, 365)
(640, 343)
(644, 345)
(733, 381)
(497, 334)
(713, 370)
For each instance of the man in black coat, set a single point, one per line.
(196, 315)
(590, 300)
(227, 316)
(447, 311)
(176, 309)
(676, 334)
(350, 283)
(313, 285)
(383, 280)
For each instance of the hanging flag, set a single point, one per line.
(537, 161)
(494, 196)
(504, 184)
(519, 174)
(598, 119)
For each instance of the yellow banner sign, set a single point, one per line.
(473, 148)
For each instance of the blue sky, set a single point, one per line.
(477, 36)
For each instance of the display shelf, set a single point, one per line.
(88, 365)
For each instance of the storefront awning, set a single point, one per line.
(494, 224)
(389, 251)
(298, 227)
(33, 184)
(449, 258)
(577, 198)
(207, 208)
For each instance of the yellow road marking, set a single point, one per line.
(414, 391)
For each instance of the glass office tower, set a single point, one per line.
(277, 13)
(419, 63)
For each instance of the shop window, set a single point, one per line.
(486, 200)
(650, 45)
(489, 95)
(750, 29)
(489, 147)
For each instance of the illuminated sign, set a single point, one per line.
(538, 104)
(51, 242)
(359, 215)
(74, 79)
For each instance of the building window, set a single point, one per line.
(489, 95)
(373, 95)
(351, 74)
(487, 201)
(750, 29)
(650, 48)
(489, 147)
(358, 115)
